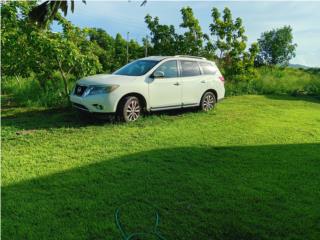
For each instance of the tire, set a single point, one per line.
(208, 101)
(129, 109)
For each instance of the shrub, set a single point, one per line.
(277, 81)
(28, 92)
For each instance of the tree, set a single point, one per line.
(120, 52)
(231, 42)
(192, 41)
(165, 40)
(147, 46)
(249, 58)
(72, 52)
(28, 50)
(104, 47)
(163, 37)
(135, 50)
(230, 38)
(276, 47)
(14, 39)
(112, 52)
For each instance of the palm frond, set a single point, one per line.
(39, 13)
(72, 6)
(64, 7)
(47, 11)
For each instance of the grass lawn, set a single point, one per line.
(250, 169)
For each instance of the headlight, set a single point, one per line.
(94, 90)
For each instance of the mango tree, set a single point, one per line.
(28, 50)
(72, 52)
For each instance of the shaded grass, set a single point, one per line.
(248, 170)
(252, 192)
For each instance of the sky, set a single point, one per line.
(257, 16)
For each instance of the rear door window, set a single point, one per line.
(189, 68)
(207, 68)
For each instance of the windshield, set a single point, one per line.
(136, 68)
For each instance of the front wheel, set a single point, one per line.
(208, 101)
(129, 109)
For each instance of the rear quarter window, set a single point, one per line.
(207, 68)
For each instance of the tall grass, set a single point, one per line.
(28, 92)
(279, 81)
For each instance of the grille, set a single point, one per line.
(79, 90)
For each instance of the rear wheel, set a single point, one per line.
(208, 101)
(129, 109)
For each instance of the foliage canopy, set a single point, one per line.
(56, 59)
(277, 47)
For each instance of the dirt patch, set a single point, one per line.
(25, 132)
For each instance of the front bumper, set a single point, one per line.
(101, 103)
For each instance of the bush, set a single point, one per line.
(28, 92)
(277, 81)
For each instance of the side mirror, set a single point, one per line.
(158, 74)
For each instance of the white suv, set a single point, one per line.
(151, 84)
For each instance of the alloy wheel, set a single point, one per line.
(133, 110)
(208, 102)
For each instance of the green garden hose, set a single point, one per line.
(137, 235)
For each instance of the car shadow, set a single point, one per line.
(53, 118)
(240, 192)
(69, 118)
(175, 112)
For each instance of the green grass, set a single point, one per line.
(247, 170)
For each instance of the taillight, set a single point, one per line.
(221, 79)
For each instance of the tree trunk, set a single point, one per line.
(221, 52)
(65, 82)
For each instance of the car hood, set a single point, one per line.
(105, 79)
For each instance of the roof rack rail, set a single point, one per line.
(188, 56)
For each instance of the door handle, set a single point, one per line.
(176, 84)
